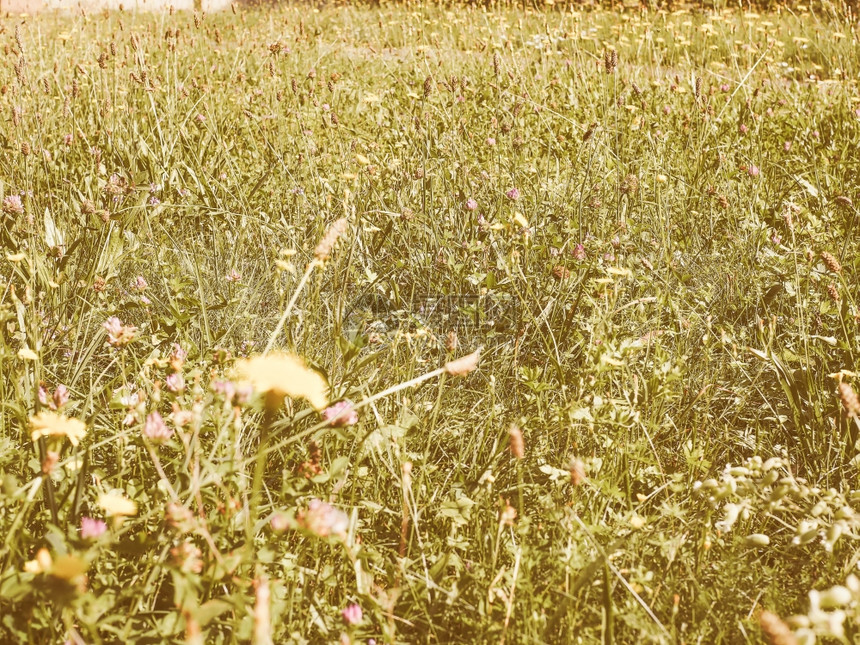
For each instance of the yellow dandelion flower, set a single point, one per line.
(51, 424)
(115, 504)
(280, 375)
(69, 568)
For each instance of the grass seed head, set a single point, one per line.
(323, 250)
(463, 365)
(610, 60)
(831, 262)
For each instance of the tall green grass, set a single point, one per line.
(655, 250)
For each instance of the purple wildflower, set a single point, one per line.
(92, 528)
(341, 414)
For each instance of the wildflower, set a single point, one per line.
(777, 632)
(464, 364)
(116, 185)
(323, 520)
(187, 557)
(115, 504)
(849, 400)
(175, 382)
(262, 612)
(12, 205)
(520, 220)
(577, 471)
(491, 141)
(92, 528)
(177, 357)
(507, 513)
(471, 204)
(234, 276)
(279, 522)
(58, 399)
(753, 171)
(119, 335)
(181, 418)
(560, 272)
(323, 250)
(629, 185)
(352, 614)
(224, 388)
(579, 252)
(178, 517)
(70, 569)
(831, 262)
(50, 424)
(41, 563)
(279, 375)
(513, 194)
(155, 429)
(140, 283)
(341, 414)
(518, 449)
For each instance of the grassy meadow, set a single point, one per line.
(415, 324)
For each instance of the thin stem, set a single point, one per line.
(259, 471)
(158, 468)
(289, 307)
